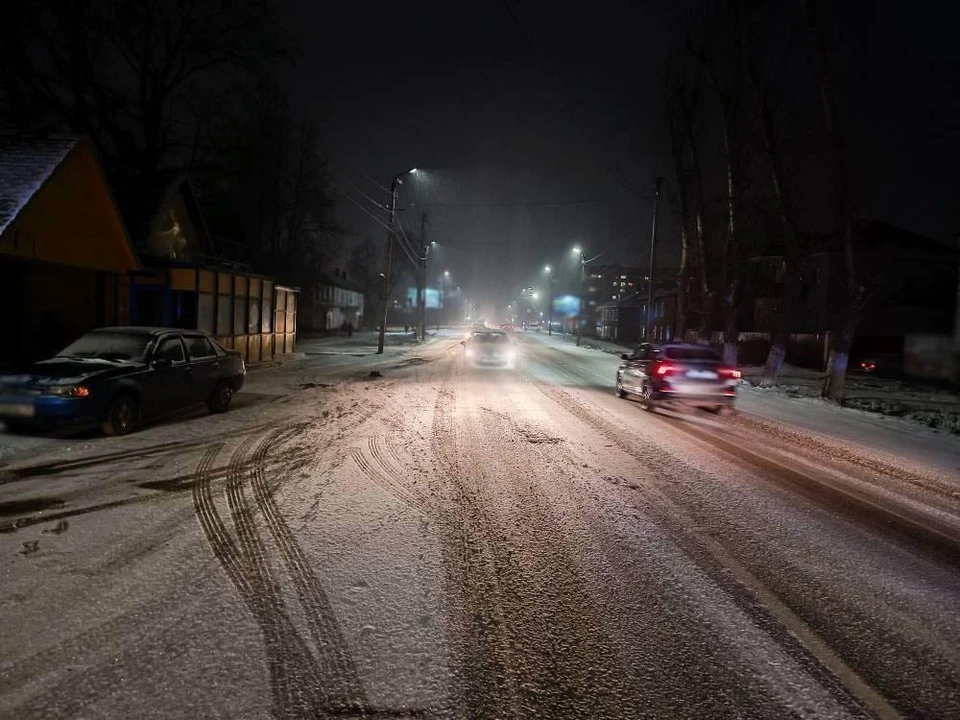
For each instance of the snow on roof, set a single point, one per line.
(26, 162)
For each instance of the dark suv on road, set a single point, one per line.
(117, 377)
(678, 374)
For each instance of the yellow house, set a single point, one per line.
(63, 245)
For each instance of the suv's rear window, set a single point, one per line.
(690, 353)
(490, 337)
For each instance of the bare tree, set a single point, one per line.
(679, 98)
(684, 107)
(765, 97)
(720, 53)
(123, 72)
(857, 294)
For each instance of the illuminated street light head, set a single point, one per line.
(446, 273)
(546, 268)
(576, 250)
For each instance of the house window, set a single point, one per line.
(224, 315)
(205, 316)
(253, 318)
(267, 315)
(239, 315)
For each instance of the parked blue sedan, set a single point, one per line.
(118, 377)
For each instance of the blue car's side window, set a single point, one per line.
(170, 349)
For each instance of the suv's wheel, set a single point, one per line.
(222, 395)
(620, 392)
(121, 415)
(646, 396)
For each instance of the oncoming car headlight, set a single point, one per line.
(68, 391)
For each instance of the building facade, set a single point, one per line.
(332, 300)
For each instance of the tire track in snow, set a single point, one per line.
(755, 599)
(295, 678)
(489, 674)
(533, 644)
(383, 474)
(342, 690)
(20, 472)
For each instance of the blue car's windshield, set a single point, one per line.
(108, 346)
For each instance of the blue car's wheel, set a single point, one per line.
(121, 415)
(220, 400)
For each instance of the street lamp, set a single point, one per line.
(395, 183)
(584, 261)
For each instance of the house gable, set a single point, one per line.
(63, 211)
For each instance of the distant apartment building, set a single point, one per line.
(603, 284)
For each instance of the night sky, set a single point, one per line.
(570, 123)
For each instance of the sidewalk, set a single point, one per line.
(359, 342)
(911, 399)
(934, 407)
(607, 346)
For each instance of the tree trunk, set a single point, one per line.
(706, 294)
(731, 291)
(791, 238)
(835, 379)
(730, 336)
(680, 320)
(678, 141)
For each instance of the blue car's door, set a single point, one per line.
(204, 371)
(164, 386)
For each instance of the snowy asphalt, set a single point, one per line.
(442, 542)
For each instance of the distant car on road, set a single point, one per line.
(678, 374)
(493, 348)
(508, 327)
(117, 377)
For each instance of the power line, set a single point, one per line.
(370, 179)
(405, 244)
(384, 225)
(368, 198)
(377, 220)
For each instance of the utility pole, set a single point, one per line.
(583, 271)
(386, 275)
(653, 247)
(422, 280)
(549, 304)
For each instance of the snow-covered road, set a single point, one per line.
(444, 542)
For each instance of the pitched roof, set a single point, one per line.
(26, 162)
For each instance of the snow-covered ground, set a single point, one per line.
(436, 541)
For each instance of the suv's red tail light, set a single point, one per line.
(663, 369)
(730, 373)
